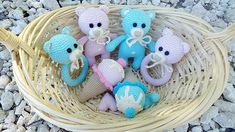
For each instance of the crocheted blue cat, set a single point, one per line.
(136, 24)
(65, 50)
(132, 97)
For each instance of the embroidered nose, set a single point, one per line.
(137, 33)
(96, 32)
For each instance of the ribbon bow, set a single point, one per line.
(100, 39)
(75, 65)
(142, 40)
(159, 59)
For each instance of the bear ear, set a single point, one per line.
(47, 46)
(186, 47)
(151, 14)
(104, 8)
(66, 30)
(79, 10)
(167, 31)
(125, 11)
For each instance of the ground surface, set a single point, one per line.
(16, 114)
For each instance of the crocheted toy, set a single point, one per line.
(65, 50)
(132, 97)
(108, 101)
(169, 50)
(106, 74)
(94, 23)
(136, 24)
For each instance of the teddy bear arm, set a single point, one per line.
(83, 40)
(151, 46)
(151, 99)
(68, 79)
(114, 43)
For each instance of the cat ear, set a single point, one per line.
(104, 8)
(47, 46)
(151, 14)
(167, 31)
(79, 10)
(66, 30)
(125, 11)
(186, 47)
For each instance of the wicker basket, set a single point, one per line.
(197, 82)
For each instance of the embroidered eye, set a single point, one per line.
(160, 48)
(143, 25)
(69, 50)
(75, 45)
(99, 24)
(91, 25)
(167, 53)
(134, 24)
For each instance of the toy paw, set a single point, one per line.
(130, 112)
(135, 66)
(107, 102)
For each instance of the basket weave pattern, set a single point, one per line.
(197, 82)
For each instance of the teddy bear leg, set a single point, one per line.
(151, 99)
(137, 62)
(107, 102)
(105, 55)
(91, 60)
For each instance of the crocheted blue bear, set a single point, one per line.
(132, 97)
(136, 24)
(65, 50)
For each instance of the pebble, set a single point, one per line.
(17, 98)
(225, 119)
(229, 15)
(43, 128)
(16, 14)
(5, 54)
(197, 129)
(225, 106)
(7, 100)
(229, 93)
(195, 122)
(11, 87)
(20, 129)
(2, 115)
(20, 25)
(214, 130)
(211, 113)
(5, 23)
(11, 117)
(183, 128)
(50, 4)
(20, 108)
(4, 80)
(206, 127)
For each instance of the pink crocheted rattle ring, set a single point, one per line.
(169, 50)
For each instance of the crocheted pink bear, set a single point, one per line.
(94, 23)
(169, 50)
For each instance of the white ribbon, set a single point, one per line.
(159, 59)
(75, 65)
(132, 40)
(99, 39)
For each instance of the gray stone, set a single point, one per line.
(188, 3)
(43, 128)
(20, 129)
(229, 15)
(11, 117)
(199, 10)
(5, 55)
(50, 4)
(5, 23)
(206, 127)
(229, 93)
(197, 129)
(20, 25)
(226, 119)
(4, 80)
(195, 122)
(2, 115)
(20, 108)
(214, 130)
(225, 106)
(183, 128)
(11, 87)
(211, 113)
(17, 98)
(7, 100)
(16, 14)
(156, 2)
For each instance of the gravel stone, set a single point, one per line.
(17, 98)
(211, 113)
(183, 128)
(43, 128)
(229, 93)
(226, 119)
(2, 115)
(11, 117)
(4, 80)
(225, 106)
(50, 4)
(5, 55)
(7, 100)
(197, 129)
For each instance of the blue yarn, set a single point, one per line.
(130, 112)
(57, 47)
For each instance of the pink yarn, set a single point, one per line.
(122, 62)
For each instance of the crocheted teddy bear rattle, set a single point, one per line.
(169, 50)
(94, 23)
(132, 97)
(65, 50)
(136, 24)
(106, 75)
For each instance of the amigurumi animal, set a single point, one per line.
(65, 50)
(106, 75)
(136, 24)
(132, 97)
(94, 23)
(169, 50)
